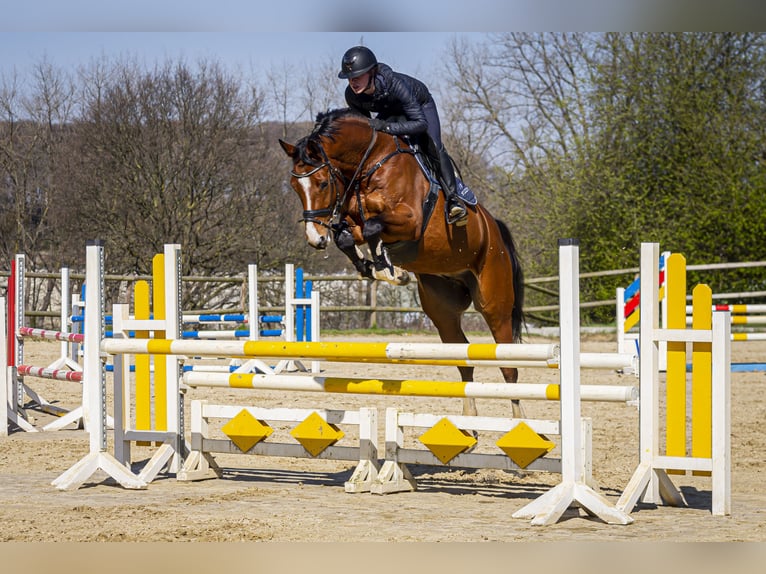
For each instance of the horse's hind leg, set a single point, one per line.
(444, 301)
(493, 298)
(499, 322)
(501, 334)
(511, 375)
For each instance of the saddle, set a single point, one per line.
(402, 252)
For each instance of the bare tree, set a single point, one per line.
(519, 104)
(34, 128)
(169, 155)
(322, 90)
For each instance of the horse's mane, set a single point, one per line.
(325, 126)
(326, 123)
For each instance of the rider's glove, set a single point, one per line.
(379, 125)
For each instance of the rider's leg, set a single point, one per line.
(456, 212)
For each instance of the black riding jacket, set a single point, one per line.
(397, 96)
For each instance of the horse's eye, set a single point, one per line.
(323, 185)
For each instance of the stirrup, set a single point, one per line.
(457, 215)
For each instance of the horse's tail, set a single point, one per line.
(517, 317)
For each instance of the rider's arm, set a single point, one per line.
(415, 122)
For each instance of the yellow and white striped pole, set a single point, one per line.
(405, 387)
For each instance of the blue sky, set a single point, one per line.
(377, 15)
(326, 15)
(409, 35)
(410, 52)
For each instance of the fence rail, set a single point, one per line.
(348, 302)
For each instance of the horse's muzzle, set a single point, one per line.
(316, 239)
(320, 243)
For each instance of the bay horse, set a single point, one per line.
(365, 186)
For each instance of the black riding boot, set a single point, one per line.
(456, 212)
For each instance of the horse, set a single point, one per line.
(364, 186)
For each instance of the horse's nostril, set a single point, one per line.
(319, 243)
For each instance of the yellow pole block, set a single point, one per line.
(523, 445)
(245, 431)
(160, 363)
(446, 441)
(143, 380)
(315, 434)
(675, 416)
(702, 376)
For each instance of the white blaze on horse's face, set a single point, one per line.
(316, 235)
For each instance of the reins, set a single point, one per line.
(352, 185)
(355, 181)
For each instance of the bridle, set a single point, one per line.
(332, 210)
(349, 185)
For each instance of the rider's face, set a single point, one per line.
(361, 83)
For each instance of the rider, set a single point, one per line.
(410, 109)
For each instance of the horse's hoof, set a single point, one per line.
(396, 276)
(404, 278)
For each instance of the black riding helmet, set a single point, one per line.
(356, 61)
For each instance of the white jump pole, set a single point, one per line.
(252, 302)
(17, 351)
(170, 453)
(9, 410)
(405, 387)
(253, 321)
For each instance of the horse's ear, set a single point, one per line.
(289, 148)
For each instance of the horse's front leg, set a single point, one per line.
(344, 239)
(383, 269)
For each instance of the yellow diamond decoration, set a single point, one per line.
(446, 441)
(316, 434)
(245, 430)
(523, 445)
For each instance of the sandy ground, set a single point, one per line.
(280, 499)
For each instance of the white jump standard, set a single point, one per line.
(95, 374)
(318, 430)
(393, 476)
